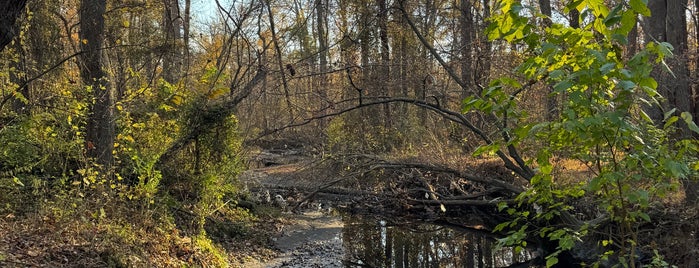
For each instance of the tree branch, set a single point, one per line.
(445, 113)
(217, 114)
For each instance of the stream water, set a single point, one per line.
(374, 243)
(354, 241)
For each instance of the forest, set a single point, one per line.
(180, 133)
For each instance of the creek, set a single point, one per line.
(321, 240)
(364, 239)
(369, 242)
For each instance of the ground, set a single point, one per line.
(308, 237)
(311, 239)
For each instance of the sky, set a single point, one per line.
(205, 10)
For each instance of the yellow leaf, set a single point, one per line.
(177, 100)
(18, 181)
(84, 41)
(217, 92)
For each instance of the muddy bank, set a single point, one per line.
(310, 239)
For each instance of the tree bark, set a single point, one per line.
(100, 123)
(280, 61)
(668, 24)
(321, 21)
(9, 11)
(172, 54)
(384, 71)
(466, 23)
(551, 97)
(185, 34)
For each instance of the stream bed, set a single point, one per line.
(319, 240)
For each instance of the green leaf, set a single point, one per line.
(500, 226)
(613, 17)
(669, 113)
(670, 121)
(644, 216)
(649, 83)
(677, 169)
(646, 117)
(486, 149)
(502, 205)
(626, 85)
(628, 21)
(605, 69)
(551, 261)
(690, 122)
(563, 86)
(665, 49)
(640, 7)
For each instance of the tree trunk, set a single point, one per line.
(680, 91)
(172, 54)
(633, 42)
(185, 34)
(321, 12)
(574, 16)
(551, 97)
(19, 77)
(100, 122)
(668, 24)
(482, 74)
(9, 11)
(466, 22)
(280, 61)
(384, 70)
(655, 31)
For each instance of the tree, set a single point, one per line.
(9, 11)
(467, 29)
(600, 124)
(173, 23)
(100, 124)
(551, 98)
(323, 51)
(668, 23)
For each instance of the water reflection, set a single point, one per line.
(373, 243)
